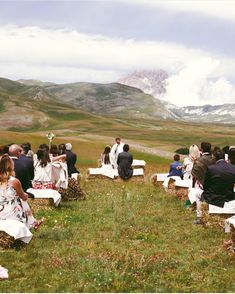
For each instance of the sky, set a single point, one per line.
(103, 41)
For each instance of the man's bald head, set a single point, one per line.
(15, 150)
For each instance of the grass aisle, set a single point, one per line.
(132, 238)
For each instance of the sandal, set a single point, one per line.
(38, 223)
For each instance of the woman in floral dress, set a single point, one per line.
(13, 200)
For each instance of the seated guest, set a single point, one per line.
(176, 167)
(231, 155)
(194, 153)
(43, 175)
(44, 147)
(226, 150)
(13, 200)
(54, 151)
(6, 148)
(218, 184)
(23, 166)
(71, 159)
(216, 148)
(201, 164)
(26, 147)
(28, 161)
(219, 181)
(62, 149)
(124, 162)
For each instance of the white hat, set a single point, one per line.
(68, 146)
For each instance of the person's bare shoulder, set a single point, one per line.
(15, 183)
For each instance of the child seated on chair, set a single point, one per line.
(176, 168)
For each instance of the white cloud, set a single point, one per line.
(193, 85)
(69, 56)
(224, 10)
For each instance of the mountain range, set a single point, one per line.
(34, 104)
(28, 104)
(155, 82)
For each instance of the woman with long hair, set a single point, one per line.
(43, 173)
(105, 156)
(13, 200)
(54, 150)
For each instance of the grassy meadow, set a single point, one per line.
(125, 237)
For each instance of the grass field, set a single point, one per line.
(128, 237)
(122, 238)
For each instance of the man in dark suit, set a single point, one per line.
(124, 162)
(218, 184)
(22, 165)
(71, 159)
(201, 164)
(27, 160)
(219, 181)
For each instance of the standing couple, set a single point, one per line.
(119, 157)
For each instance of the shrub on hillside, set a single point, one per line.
(183, 151)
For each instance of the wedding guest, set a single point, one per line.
(218, 185)
(219, 181)
(176, 168)
(44, 147)
(71, 159)
(26, 147)
(226, 150)
(13, 200)
(62, 149)
(194, 153)
(28, 160)
(116, 149)
(124, 162)
(201, 164)
(43, 174)
(23, 166)
(6, 148)
(54, 151)
(231, 155)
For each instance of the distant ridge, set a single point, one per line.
(35, 104)
(31, 82)
(154, 82)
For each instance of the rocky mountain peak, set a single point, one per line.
(152, 82)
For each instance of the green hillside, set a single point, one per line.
(109, 99)
(25, 106)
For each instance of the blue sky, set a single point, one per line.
(102, 41)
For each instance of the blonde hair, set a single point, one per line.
(6, 168)
(194, 151)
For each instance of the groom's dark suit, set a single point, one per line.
(124, 162)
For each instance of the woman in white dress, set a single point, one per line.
(13, 200)
(194, 153)
(43, 169)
